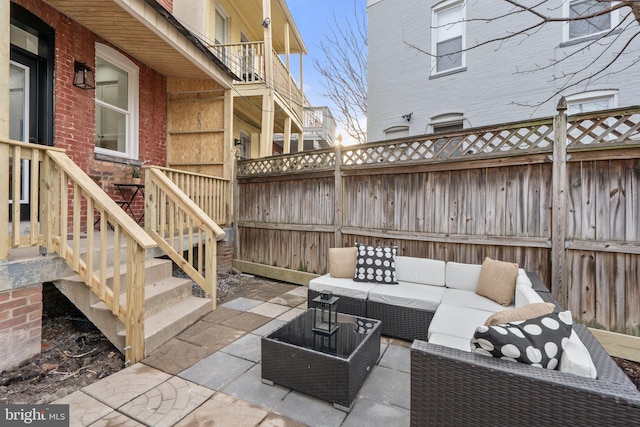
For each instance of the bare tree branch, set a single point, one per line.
(571, 78)
(344, 70)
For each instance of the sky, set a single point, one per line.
(313, 19)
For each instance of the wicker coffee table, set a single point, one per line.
(292, 356)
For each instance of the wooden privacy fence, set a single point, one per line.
(558, 196)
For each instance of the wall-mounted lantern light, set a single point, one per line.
(83, 76)
(266, 22)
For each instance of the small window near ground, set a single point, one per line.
(592, 101)
(448, 34)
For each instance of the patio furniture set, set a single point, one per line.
(458, 314)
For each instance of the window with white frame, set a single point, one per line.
(598, 23)
(448, 36)
(117, 84)
(587, 102)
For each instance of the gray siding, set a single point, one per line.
(493, 86)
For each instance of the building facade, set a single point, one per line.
(107, 81)
(257, 40)
(431, 71)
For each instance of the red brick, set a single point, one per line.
(28, 309)
(36, 297)
(13, 303)
(35, 333)
(36, 315)
(26, 291)
(13, 322)
(4, 296)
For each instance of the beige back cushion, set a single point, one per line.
(342, 262)
(497, 281)
(526, 312)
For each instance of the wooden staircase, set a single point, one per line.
(169, 306)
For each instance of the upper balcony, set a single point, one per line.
(249, 61)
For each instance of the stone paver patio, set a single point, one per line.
(210, 375)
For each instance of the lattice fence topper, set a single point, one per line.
(610, 127)
(314, 160)
(614, 127)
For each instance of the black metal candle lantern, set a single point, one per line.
(325, 320)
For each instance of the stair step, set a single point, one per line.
(164, 325)
(156, 269)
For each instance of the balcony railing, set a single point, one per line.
(248, 61)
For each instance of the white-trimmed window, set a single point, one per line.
(395, 132)
(595, 100)
(117, 84)
(448, 36)
(581, 28)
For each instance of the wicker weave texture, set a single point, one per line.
(453, 387)
(347, 305)
(319, 374)
(401, 322)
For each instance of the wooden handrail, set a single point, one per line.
(67, 201)
(210, 193)
(170, 212)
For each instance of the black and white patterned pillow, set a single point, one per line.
(376, 264)
(363, 325)
(537, 342)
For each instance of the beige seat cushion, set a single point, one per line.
(497, 281)
(526, 312)
(342, 262)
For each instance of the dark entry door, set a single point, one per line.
(30, 92)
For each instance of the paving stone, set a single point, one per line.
(289, 300)
(224, 410)
(176, 355)
(310, 411)
(167, 403)
(127, 384)
(303, 306)
(267, 291)
(388, 386)
(294, 312)
(270, 310)
(220, 314)
(249, 387)
(398, 358)
(301, 291)
(242, 304)
(268, 327)
(116, 419)
(275, 420)
(246, 321)
(83, 409)
(195, 329)
(214, 337)
(216, 370)
(396, 341)
(367, 413)
(248, 347)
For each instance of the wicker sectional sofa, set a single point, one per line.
(435, 304)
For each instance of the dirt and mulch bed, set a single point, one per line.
(75, 354)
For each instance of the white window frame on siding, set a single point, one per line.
(441, 32)
(117, 59)
(587, 101)
(566, 12)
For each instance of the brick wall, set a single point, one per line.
(74, 108)
(20, 325)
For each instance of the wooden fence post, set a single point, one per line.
(338, 198)
(235, 206)
(559, 213)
